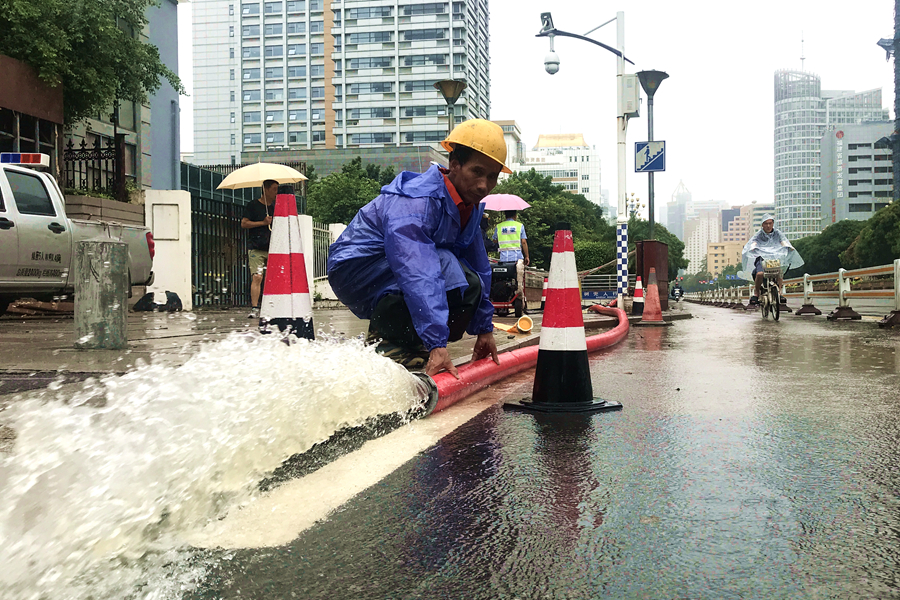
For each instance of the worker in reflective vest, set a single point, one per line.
(511, 238)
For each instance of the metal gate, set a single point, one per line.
(321, 242)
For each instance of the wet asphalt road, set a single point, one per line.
(752, 459)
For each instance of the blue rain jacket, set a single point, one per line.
(408, 240)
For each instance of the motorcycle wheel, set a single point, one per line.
(776, 307)
(764, 301)
(518, 306)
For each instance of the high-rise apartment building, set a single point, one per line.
(802, 113)
(677, 209)
(857, 171)
(311, 74)
(752, 215)
(699, 232)
(569, 160)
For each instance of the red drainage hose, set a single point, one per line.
(476, 376)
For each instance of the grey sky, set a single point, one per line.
(715, 111)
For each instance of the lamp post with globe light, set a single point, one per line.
(450, 89)
(625, 107)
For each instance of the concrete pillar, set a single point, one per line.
(168, 215)
(101, 294)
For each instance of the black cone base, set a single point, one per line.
(595, 405)
(299, 327)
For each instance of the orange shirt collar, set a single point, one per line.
(453, 193)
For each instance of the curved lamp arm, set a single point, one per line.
(552, 32)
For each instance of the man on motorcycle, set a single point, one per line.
(768, 243)
(677, 291)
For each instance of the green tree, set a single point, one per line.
(639, 230)
(878, 243)
(337, 197)
(821, 253)
(93, 49)
(589, 255)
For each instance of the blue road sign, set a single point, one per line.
(649, 157)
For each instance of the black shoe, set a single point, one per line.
(754, 301)
(782, 299)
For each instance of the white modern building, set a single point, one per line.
(570, 161)
(803, 111)
(515, 147)
(699, 232)
(310, 74)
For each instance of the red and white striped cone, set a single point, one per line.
(652, 311)
(637, 306)
(544, 294)
(562, 377)
(286, 300)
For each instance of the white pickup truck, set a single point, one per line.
(38, 241)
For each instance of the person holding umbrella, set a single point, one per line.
(257, 218)
(413, 262)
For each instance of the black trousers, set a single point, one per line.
(392, 321)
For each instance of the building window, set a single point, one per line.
(425, 111)
(317, 92)
(431, 8)
(426, 136)
(274, 51)
(296, 49)
(374, 87)
(253, 116)
(231, 52)
(417, 86)
(318, 136)
(250, 52)
(318, 114)
(375, 112)
(232, 95)
(272, 8)
(251, 95)
(860, 208)
(337, 42)
(232, 138)
(339, 139)
(296, 6)
(585, 177)
(371, 12)
(297, 114)
(316, 4)
(251, 74)
(370, 62)
(274, 28)
(369, 37)
(585, 190)
(317, 49)
(297, 137)
(274, 116)
(297, 71)
(275, 137)
(252, 138)
(275, 94)
(317, 70)
(231, 31)
(425, 59)
(230, 9)
(296, 93)
(231, 74)
(250, 31)
(371, 138)
(298, 27)
(317, 26)
(424, 34)
(274, 72)
(232, 117)
(249, 9)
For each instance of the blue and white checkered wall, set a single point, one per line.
(622, 257)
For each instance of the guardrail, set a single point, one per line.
(843, 281)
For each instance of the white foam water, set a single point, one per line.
(105, 481)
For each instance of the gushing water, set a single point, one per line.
(106, 480)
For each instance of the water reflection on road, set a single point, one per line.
(752, 459)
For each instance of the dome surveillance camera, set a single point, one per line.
(551, 63)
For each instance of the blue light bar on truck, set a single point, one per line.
(28, 159)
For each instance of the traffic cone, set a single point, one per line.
(652, 309)
(286, 301)
(637, 306)
(544, 293)
(562, 377)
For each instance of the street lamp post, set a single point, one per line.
(650, 81)
(551, 64)
(450, 89)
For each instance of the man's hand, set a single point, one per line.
(439, 360)
(485, 346)
(527, 261)
(267, 220)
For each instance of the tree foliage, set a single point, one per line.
(336, 198)
(878, 242)
(821, 253)
(88, 48)
(639, 230)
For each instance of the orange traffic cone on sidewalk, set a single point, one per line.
(637, 306)
(286, 300)
(652, 308)
(562, 377)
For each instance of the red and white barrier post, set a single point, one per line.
(562, 377)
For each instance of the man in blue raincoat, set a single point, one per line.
(768, 243)
(413, 262)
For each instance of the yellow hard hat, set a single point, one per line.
(480, 135)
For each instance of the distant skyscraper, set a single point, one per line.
(571, 162)
(802, 113)
(676, 210)
(306, 74)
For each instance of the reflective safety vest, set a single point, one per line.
(509, 234)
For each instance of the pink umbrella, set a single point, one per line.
(500, 202)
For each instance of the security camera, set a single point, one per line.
(551, 63)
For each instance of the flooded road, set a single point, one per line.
(752, 459)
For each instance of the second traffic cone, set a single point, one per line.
(286, 301)
(562, 377)
(544, 294)
(637, 306)
(652, 308)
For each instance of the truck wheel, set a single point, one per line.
(518, 306)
